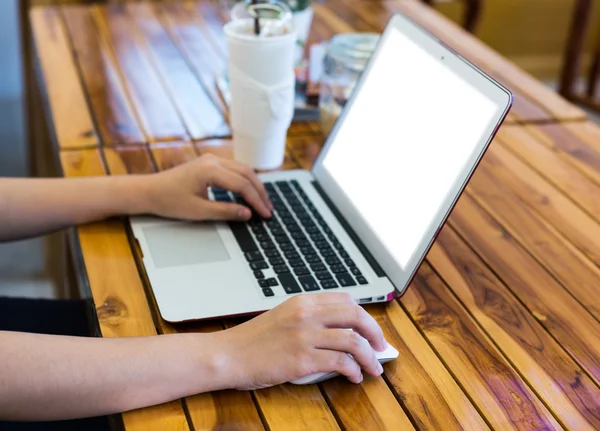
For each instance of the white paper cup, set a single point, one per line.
(261, 81)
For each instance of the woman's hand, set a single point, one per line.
(182, 192)
(304, 335)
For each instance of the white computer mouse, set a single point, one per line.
(387, 355)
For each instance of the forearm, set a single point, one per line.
(30, 207)
(51, 378)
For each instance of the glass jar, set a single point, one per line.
(345, 58)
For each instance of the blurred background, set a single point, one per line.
(547, 38)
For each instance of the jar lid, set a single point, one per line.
(352, 49)
(266, 9)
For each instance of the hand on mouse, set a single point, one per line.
(182, 192)
(304, 335)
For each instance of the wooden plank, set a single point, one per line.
(68, 110)
(370, 405)
(576, 223)
(128, 160)
(184, 28)
(569, 266)
(470, 355)
(112, 110)
(305, 150)
(171, 154)
(542, 362)
(154, 107)
(565, 318)
(122, 312)
(212, 22)
(546, 161)
(573, 145)
(201, 116)
(420, 380)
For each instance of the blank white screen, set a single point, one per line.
(404, 141)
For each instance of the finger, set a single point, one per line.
(248, 173)
(330, 298)
(212, 210)
(231, 180)
(352, 316)
(340, 362)
(353, 343)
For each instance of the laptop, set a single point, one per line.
(362, 220)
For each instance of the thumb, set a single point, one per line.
(212, 210)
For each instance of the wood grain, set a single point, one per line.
(420, 381)
(171, 154)
(565, 318)
(553, 251)
(185, 30)
(579, 148)
(561, 175)
(153, 106)
(121, 312)
(305, 150)
(200, 114)
(548, 369)
(470, 355)
(68, 109)
(128, 160)
(114, 116)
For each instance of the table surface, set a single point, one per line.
(501, 327)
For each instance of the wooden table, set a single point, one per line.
(501, 328)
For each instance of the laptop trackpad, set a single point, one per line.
(185, 244)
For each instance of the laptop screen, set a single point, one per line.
(405, 140)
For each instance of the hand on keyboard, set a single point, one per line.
(182, 192)
(306, 334)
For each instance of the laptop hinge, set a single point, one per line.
(353, 236)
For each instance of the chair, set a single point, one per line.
(472, 15)
(571, 69)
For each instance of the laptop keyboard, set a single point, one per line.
(295, 249)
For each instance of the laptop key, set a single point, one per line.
(283, 239)
(328, 252)
(276, 260)
(362, 280)
(355, 271)
(259, 265)
(313, 259)
(323, 275)
(263, 283)
(346, 280)
(272, 253)
(272, 281)
(339, 269)
(302, 243)
(332, 260)
(289, 283)
(344, 254)
(349, 262)
(302, 270)
(259, 275)
(311, 229)
(262, 236)
(322, 245)
(318, 267)
(294, 263)
(307, 250)
(267, 245)
(268, 291)
(243, 237)
(291, 254)
(329, 284)
(281, 269)
(308, 283)
(287, 247)
(253, 256)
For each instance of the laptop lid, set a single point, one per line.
(406, 144)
